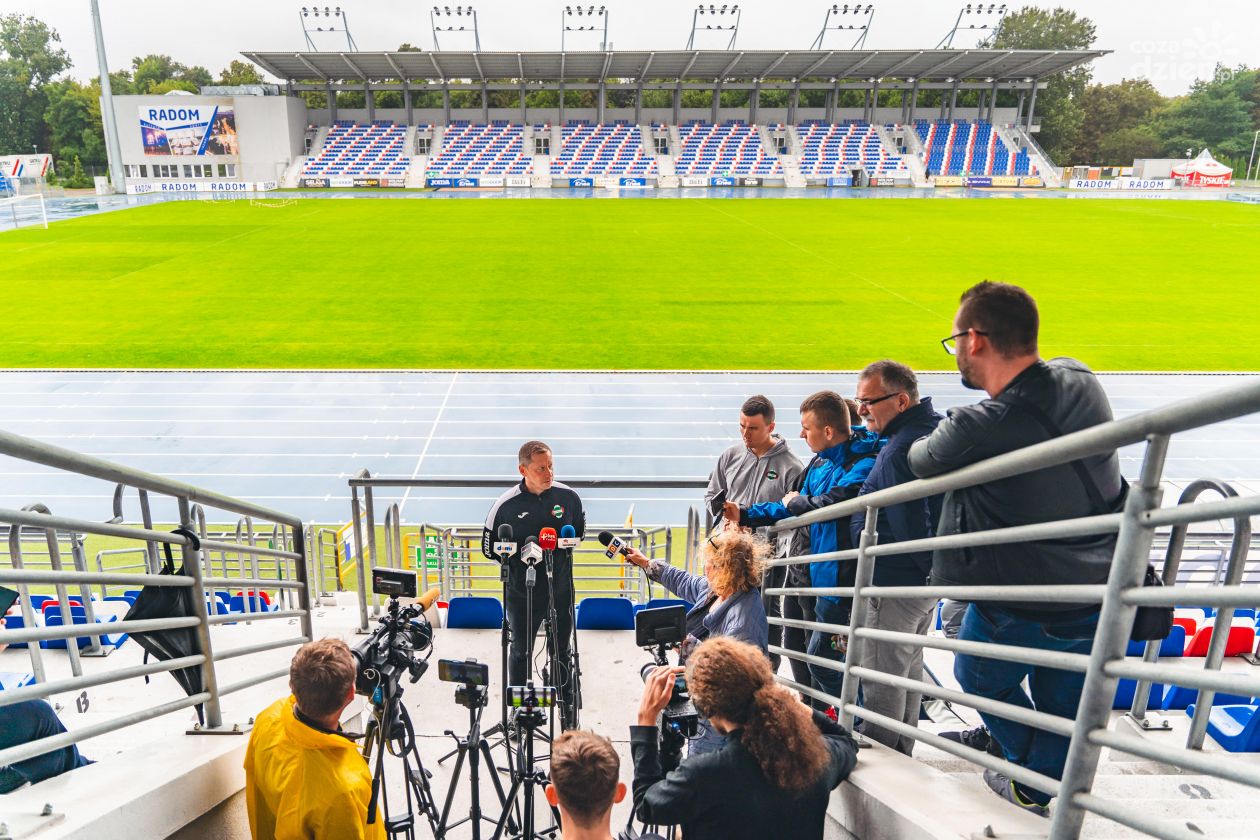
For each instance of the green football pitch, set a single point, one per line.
(624, 284)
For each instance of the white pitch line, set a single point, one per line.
(449, 388)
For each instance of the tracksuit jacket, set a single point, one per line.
(835, 474)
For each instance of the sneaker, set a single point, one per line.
(1005, 788)
(978, 739)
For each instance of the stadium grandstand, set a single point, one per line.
(908, 130)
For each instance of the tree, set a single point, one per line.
(157, 71)
(240, 73)
(1212, 116)
(1059, 29)
(74, 122)
(1113, 117)
(29, 60)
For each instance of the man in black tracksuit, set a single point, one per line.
(537, 502)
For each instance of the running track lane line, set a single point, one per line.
(432, 432)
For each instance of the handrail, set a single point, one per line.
(1134, 528)
(196, 576)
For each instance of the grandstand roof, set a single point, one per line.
(730, 65)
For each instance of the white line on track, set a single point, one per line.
(449, 388)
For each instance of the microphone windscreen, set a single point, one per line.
(605, 537)
(426, 600)
(547, 538)
(531, 539)
(568, 532)
(505, 532)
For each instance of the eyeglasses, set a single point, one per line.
(949, 345)
(868, 403)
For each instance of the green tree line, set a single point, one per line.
(43, 108)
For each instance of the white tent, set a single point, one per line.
(1203, 171)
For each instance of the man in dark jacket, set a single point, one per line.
(889, 403)
(994, 339)
(538, 501)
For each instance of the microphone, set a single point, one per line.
(531, 553)
(612, 545)
(426, 600)
(547, 539)
(504, 547)
(568, 537)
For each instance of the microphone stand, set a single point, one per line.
(553, 632)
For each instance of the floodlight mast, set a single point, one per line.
(456, 19)
(719, 14)
(975, 10)
(338, 21)
(109, 120)
(567, 24)
(855, 18)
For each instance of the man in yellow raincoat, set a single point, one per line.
(304, 778)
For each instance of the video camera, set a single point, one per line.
(394, 646)
(658, 631)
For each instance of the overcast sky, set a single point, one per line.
(1170, 43)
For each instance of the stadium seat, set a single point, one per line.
(14, 621)
(602, 150)
(828, 150)
(1127, 688)
(731, 149)
(53, 618)
(37, 601)
(1181, 697)
(474, 612)
(1241, 640)
(655, 603)
(1173, 645)
(473, 151)
(605, 614)
(1235, 727)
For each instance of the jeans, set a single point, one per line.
(800, 608)
(901, 615)
(1054, 691)
(706, 740)
(831, 681)
(29, 721)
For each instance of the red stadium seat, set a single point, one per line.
(1241, 640)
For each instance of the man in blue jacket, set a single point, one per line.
(889, 403)
(843, 457)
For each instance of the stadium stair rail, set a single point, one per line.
(1127, 801)
(171, 782)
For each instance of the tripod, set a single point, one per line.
(391, 725)
(475, 749)
(524, 775)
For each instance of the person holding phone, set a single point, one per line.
(760, 468)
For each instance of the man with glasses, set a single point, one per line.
(994, 340)
(888, 401)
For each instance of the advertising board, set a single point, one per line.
(189, 131)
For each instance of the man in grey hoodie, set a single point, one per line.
(760, 468)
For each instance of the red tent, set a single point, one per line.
(1203, 171)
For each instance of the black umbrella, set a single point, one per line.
(171, 602)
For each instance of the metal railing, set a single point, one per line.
(1135, 527)
(286, 555)
(462, 567)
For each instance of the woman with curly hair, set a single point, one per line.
(775, 775)
(727, 601)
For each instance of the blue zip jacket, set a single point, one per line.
(909, 520)
(833, 475)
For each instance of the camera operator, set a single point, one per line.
(584, 784)
(776, 773)
(304, 777)
(538, 502)
(727, 601)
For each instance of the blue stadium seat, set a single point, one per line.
(1180, 697)
(474, 612)
(14, 679)
(605, 614)
(1173, 645)
(1127, 688)
(52, 618)
(1235, 727)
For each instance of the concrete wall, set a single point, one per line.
(270, 130)
(765, 116)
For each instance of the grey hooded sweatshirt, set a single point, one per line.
(749, 480)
